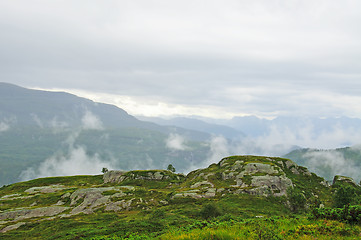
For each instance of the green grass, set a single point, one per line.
(242, 216)
(268, 228)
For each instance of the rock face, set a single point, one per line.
(343, 179)
(32, 213)
(257, 178)
(115, 176)
(243, 174)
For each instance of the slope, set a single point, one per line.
(40, 132)
(153, 201)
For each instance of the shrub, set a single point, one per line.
(347, 213)
(297, 199)
(344, 195)
(210, 210)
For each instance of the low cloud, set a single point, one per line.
(91, 121)
(4, 126)
(37, 120)
(74, 161)
(331, 163)
(176, 142)
(58, 126)
(219, 148)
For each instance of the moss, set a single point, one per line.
(247, 179)
(110, 192)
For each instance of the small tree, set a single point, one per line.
(171, 168)
(344, 195)
(104, 170)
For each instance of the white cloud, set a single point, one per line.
(219, 148)
(91, 121)
(176, 142)
(75, 162)
(37, 120)
(4, 126)
(331, 163)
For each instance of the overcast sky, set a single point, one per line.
(212, 58)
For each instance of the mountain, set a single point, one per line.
(55, 133)
(153, 204)
(328, 163)
(198, 125)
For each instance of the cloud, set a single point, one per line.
(91, 121)
(176, 142)
(4, 126)
(265, 58)
(219, 148)
(6, 123)
(331, 163)
(74, 161)
(37, 120)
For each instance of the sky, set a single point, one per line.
(210, 58)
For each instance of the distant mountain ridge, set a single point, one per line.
(28, 105)
(41, 130)
(199, 125)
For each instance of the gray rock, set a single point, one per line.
(198, 184)
(253, 168)
(12, 227)
(32, 213)
(277, 185)
(45, 189)
(118, 206)
(113, 176)
(92, 199)
(289, 164)
(345, 179)
(295, 171)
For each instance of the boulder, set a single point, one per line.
(343, 179)
(32, 213)
(113, 176)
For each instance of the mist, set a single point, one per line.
(75, 160)
(331, 163)
(91, 121)
(4, 126)
(176, 142)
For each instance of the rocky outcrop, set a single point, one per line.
(261, 176)
(244, 174)
(343, 179)
(12, 227)
(113, 176)
(32, 213)
(45, 189)
(151, 175)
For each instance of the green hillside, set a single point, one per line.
(241, 197)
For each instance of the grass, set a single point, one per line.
(242, 216)
(268, 228)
